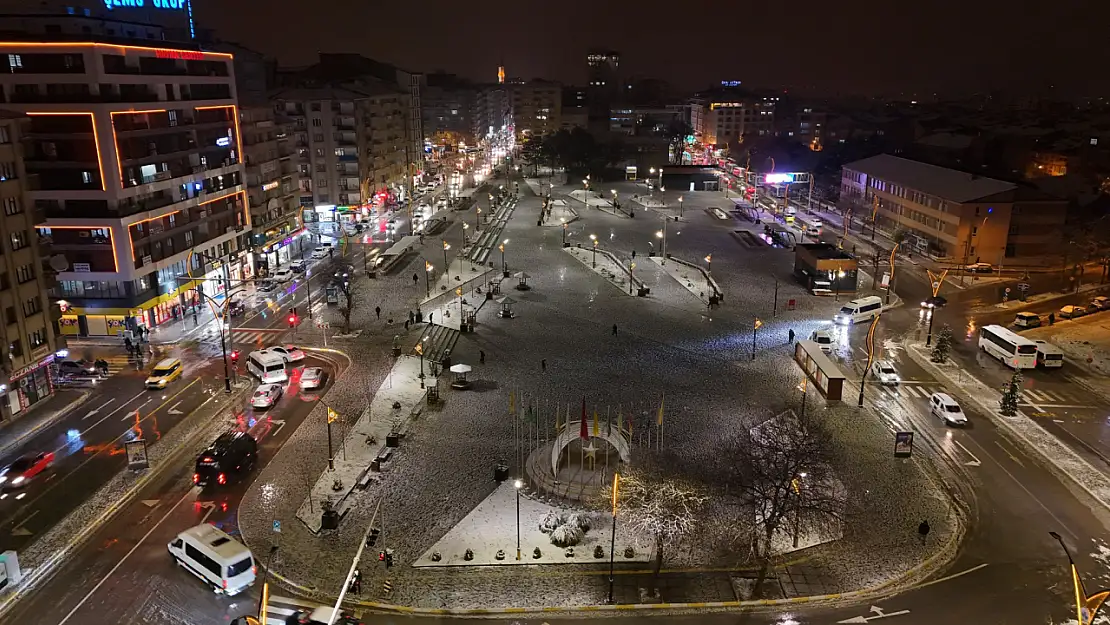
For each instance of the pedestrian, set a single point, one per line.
(543, 365)
(614, 329)
(791, 336)
(378, 312)
(412, 317)
(481, 356)
(1051, 318)
(923, 530)
(407, 322)
(127, 344)
(430, 318)
(415, 279)
(419, 316)
(633, 253)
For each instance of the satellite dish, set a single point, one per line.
(58, 262)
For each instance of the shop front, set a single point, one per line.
(159, 310)
(26, 387)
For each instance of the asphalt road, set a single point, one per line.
(124, 574)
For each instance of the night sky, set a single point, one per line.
(848, 46)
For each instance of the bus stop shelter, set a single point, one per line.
(818, 367)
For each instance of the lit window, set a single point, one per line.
(86, 177)
(14, 61)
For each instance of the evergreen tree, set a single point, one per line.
(942, 346)
(1008, 405)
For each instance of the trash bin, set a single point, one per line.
(501, 472)
(329, 520)
(393, 439)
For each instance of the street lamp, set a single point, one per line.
(563, 219)
(517, 484)
(1086, 607)
(755, 328)
(613, 535)
(420, 352)
(593, 237)
(631, 279)
(870, 357)
(446, 267)
(662, 190)
(501, 247)
(680, 206)
(428, 279)
(614, 192)
(837, 276)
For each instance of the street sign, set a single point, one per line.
(136, 454)
(1007, 289)
(936, 285)
(886, 280)
(1023, 286)
(277, 526)
(903, 444)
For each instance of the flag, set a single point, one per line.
(512, 403)
(583, 433)
(660, 420)
(596, 431)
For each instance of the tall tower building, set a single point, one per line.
(603, 81)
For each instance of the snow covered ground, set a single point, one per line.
(605, 265)
(1086, 344)
(694, 280)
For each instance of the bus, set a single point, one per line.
(1013, 350)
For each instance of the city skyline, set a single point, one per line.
(808, 49)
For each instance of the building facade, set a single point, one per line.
(448, 104)
(953, 215)
(29, 319)
(729, 119)
(603, 81)
(271, 180)
(134, 156)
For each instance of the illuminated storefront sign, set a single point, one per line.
(270, 185)
(778, 178)
(184, 55)
(730, 83)
(223, 142)
(173, 5)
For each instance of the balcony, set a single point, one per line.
(348, 158)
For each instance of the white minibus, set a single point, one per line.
(216, 558)
(862, 309)
(267, 367)
(1048, 355)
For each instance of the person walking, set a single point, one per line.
(791, 336)
(543, 365)
(923, 531)
(412, 317)
(378, 312)
(614, 329)
(481, 356)
(415, 279)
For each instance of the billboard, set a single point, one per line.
(783, 178)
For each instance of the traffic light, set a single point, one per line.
(235, 356)
(292, 317)
(372, 539)
(388, 558)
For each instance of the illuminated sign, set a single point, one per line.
(173, 5)
(223, 142)
(270, 185)
(183, 55)
(778, 178)
(730, 83)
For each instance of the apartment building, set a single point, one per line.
(954, 215)
(29, 320)
(448, 109)
(350, 146)
(271, 181)
(133, 154)
(730, 118)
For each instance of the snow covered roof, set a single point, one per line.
(947, 184)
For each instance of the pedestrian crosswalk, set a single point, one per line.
(1029, 397)
(118, 363)
(278, 609)
(247, 338)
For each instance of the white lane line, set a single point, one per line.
(128, 415)
(953, 576)
(84, 599)
(86, 431)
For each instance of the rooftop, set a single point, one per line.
(826, 251)
(947, 184)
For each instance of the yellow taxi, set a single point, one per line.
(164, 372)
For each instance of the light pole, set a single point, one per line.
(870, 357)
(1085, 606)
(462, 245)
(501, 247)
(446, 267)
(517, 484)
(631, 279)
(680, 206)
(586, 191)
(755, 328)
(662, 191)
(615, 204)
(562, 219)
(593, 237)
(836, 276)
(428, 279)
(420, 352)
(477, 218)
(613, 535)
(709, 290)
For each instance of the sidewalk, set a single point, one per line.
(42, 415)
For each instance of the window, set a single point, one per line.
(37, 338)
(321, 166)
(316, 121)
(5, 284)
(315, 106)
(203, 560)
(322, 183)
(4, 136)
(15, 61)
(15, 349)
(11, 206)
(1013, 229)
(31, 306)
(318, 137)
(25, 273)
(86, 177)
(9, 315)
(19, 240)
(7, 171)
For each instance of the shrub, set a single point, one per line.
(566, 535)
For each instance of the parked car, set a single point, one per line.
(1101, 302)
(25, 468)
(319, 252)
(290, 353)
(284, 274)
(76, 367)
(1027, 320)
(942, 405)
(312, 378)
(1071, 312)
(266, 395)
(979, 268)
(885, 372)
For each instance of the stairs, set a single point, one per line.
(438, 340)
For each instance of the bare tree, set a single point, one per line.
(349, 298)
(781, 470)
(657, 502)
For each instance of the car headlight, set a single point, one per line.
(18, 480)
(3, 478)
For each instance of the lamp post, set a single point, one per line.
(837, 276)
(870, 357)
(613, 535)
(501, 247)
(428, 279)
(446, 267)
(477, 218)
(593, 237)
(631, 279)
(710, 291)
(564, 230)
(755, 328)
(680, 206)
(420, 352)
(586, 191)
(615, 204)
(517, 484)
(462, 245)
(1086, 607)
(662, 191)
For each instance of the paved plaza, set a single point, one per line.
(575, 337)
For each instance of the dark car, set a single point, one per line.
(935, 301)
(76, 367)
(267, 286)
(231, 457)
(236, 308)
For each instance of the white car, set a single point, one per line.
(290, 353)
(424, 206)
(885, 372)
(319, 252)
(266, 395)
(979, 268)
(312, 378)
(824, 340)
(942, 405)
(284, 274)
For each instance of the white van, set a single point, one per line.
(1027, 320)
(267, 367)
(216, 558)
(862, 309)
(824, 340)
(1048, 355)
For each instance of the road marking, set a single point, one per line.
(173, 409)
(124, 558)
(1024, 403)
(209, 508)
(1007, 452)
(96, 410)
(150, 503)
(878, 614)
(974, 462)
(19, 530)
(128, 416)
(86, 431)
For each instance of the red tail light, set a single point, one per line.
(222, 479)
(254, 570)
(225, 584)
(196, 478)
